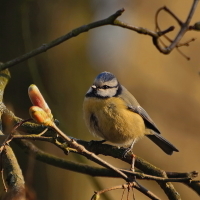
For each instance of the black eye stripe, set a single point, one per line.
(104, 87)
(107, 87)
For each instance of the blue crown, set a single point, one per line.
(105, 77)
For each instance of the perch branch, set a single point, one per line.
(33, 150)
(108, 150)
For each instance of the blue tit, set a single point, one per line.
(112, 113)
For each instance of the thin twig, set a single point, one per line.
(94, 171)
(108, 21)
(81, 149)
(186, 57)
(99, 149)
(173, 15)
(111, 20)
(141, 164)
(2, 177)
(146, 191)
(166, 37)
(142, 30)
(123, 194)
(180, 34)
(128, 186)
(185, 178)
(192, 174)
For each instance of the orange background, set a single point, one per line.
(167, 86)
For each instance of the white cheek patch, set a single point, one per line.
(110, 92)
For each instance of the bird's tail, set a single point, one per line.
(166, 146)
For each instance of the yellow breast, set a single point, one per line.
(111, 120)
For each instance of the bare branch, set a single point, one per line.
(111, 20)
(14, 177)
(174, 177)
(142, 30)
(108, 21)
(184, 28)
(128, 186)
(112, 151)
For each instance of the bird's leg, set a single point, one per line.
(129, 148)
(133, 155)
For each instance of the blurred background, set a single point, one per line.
(167, 86)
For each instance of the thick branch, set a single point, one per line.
(4, 78)
(73, 144)
(141, 164)
(82, 168)
(14, 177)
(109, 150)
(94, 171)
(90, 155)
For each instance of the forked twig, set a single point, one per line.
(128, 186)
(81, 168)
(184, 27)
(111, 20)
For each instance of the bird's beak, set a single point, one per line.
(94, 87)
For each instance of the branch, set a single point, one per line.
(111, 20)
(73, 144)
(86, 169)
(14, 177)
(184, 28)
(4, 78)
(31, 149)
(128, 186)
(185, 178)
(142, 30)
(151, 172)
(83, 151)
(108, 21)
(8, 162)
(141, 164)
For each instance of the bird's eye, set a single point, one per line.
(105, 87)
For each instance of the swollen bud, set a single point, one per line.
(95, 197)
(38, 100)
(40, 116)
(196, 26)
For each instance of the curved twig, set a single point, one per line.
(111, 20)
(184, 28)
(128, 186)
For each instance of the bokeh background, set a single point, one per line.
(167, 86)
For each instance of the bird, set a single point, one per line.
(112, 113)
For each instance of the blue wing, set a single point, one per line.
(147, 119)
